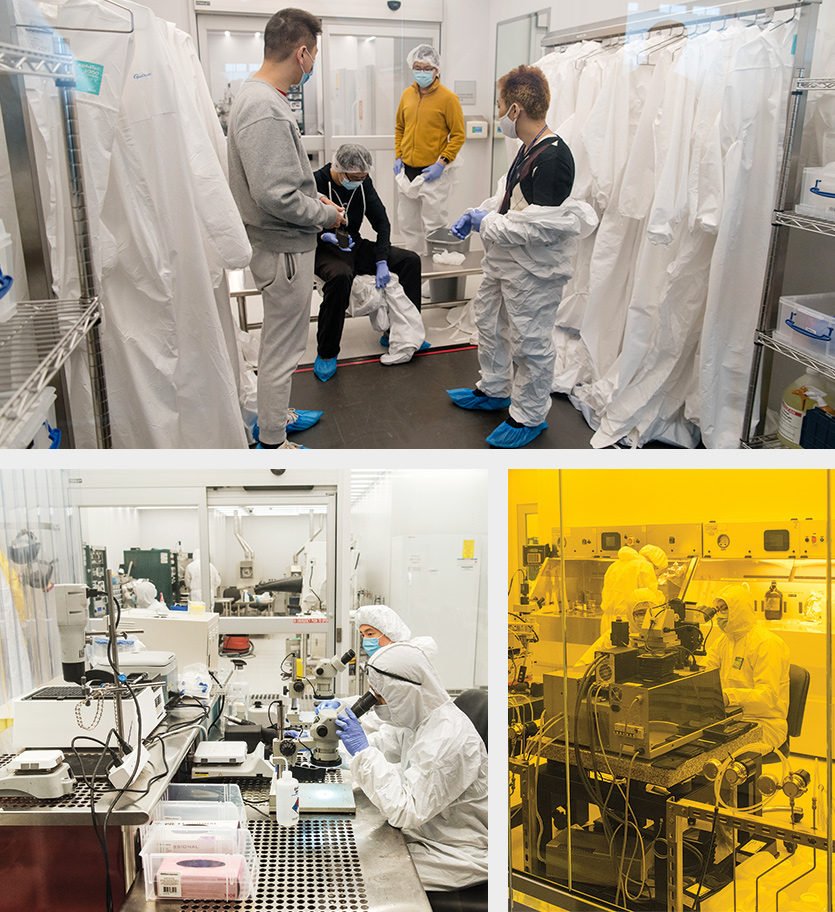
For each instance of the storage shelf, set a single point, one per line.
(805, 222)
(802, 357)
(30, 63)
(34, 343)
(813, 85)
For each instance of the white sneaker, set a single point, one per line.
(425, 293)
(289, 445)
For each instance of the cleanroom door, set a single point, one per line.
(365, 72)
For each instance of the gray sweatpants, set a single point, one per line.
(285, 281)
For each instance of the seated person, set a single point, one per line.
(753, 664)
(381, 625)
(426, 773)
(345, 181)
(634, 610)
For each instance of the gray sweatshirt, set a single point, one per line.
(270, 174)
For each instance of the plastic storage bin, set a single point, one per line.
(220, 837)
(451, 289)
(37, 427)
(220, 876)
(817, 193)
(188, 801)
(805, 322)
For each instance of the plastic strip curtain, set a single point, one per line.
(40, 546)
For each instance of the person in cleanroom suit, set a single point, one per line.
(632, 570)
(634, 610)
(529, 231)
(753, 663)
(193, 580)
(426, 772)
(381, 625)
(428, 135)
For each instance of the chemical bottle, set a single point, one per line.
(805, 393)
(287, 800)
(237, 694)
(773, 603)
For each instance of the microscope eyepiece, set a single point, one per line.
(365, 702)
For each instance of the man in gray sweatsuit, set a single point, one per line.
(273, 185)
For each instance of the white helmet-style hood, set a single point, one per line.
(405, 678)
(740, 602)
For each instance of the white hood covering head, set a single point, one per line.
(655, 555)
(740, 602)
(647, 597)
(415, 692)
(384, 619)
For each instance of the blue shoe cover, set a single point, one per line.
(507, 436)
(256, 432)
(304, 420)
(324, 370)
(424, 345)
(384, 341)
(466, 398)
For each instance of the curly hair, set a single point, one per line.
(527, 87)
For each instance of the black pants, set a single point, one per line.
(337, 269)
(471, 899)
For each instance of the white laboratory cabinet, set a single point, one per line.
(435, 587)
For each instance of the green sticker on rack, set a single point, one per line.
(88, 77)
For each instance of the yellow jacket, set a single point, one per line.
(428, 126)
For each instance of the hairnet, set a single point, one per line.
(415, 691)
(654, 555)
(740, 602)
(424, 53)
(382, 618)
(352, 158)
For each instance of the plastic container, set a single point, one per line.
(34, 427)
(237, 694)
(194, 801)
(454, 288)
(286, 800)
(799, 397)
(805, 322)
(225, 876)
(220, 837)
(817, 192)
(8, 301)
(818, 430)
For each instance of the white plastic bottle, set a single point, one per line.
(287, 800)
(237, 695)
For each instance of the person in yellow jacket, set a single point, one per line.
(428, 135)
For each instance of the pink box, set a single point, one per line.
(202, 877)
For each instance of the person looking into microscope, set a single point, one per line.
(426, 773)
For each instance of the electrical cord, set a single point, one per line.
(526, 623)
(310, 586)
(510, 587)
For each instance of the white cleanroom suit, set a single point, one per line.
(629, 572)
(528, 257)
(753, 665)
(192, 580)
(643, 597)
(390, 311)
(427, 772)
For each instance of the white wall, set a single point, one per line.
(422, 503)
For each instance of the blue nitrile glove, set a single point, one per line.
(383, 274)
(477, 217)
(329, 238)
(329, 704)
(433, 172)
(462, 227)
(291, 733)
(351, 733)
(398, 165)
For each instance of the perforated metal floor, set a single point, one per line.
(312, 867)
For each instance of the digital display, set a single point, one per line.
(776, 540)
(610, 541)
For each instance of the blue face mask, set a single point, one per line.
(351, 185)
(424, 78)
(306, 76)
(371, 644)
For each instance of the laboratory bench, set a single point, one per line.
(53, 863)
